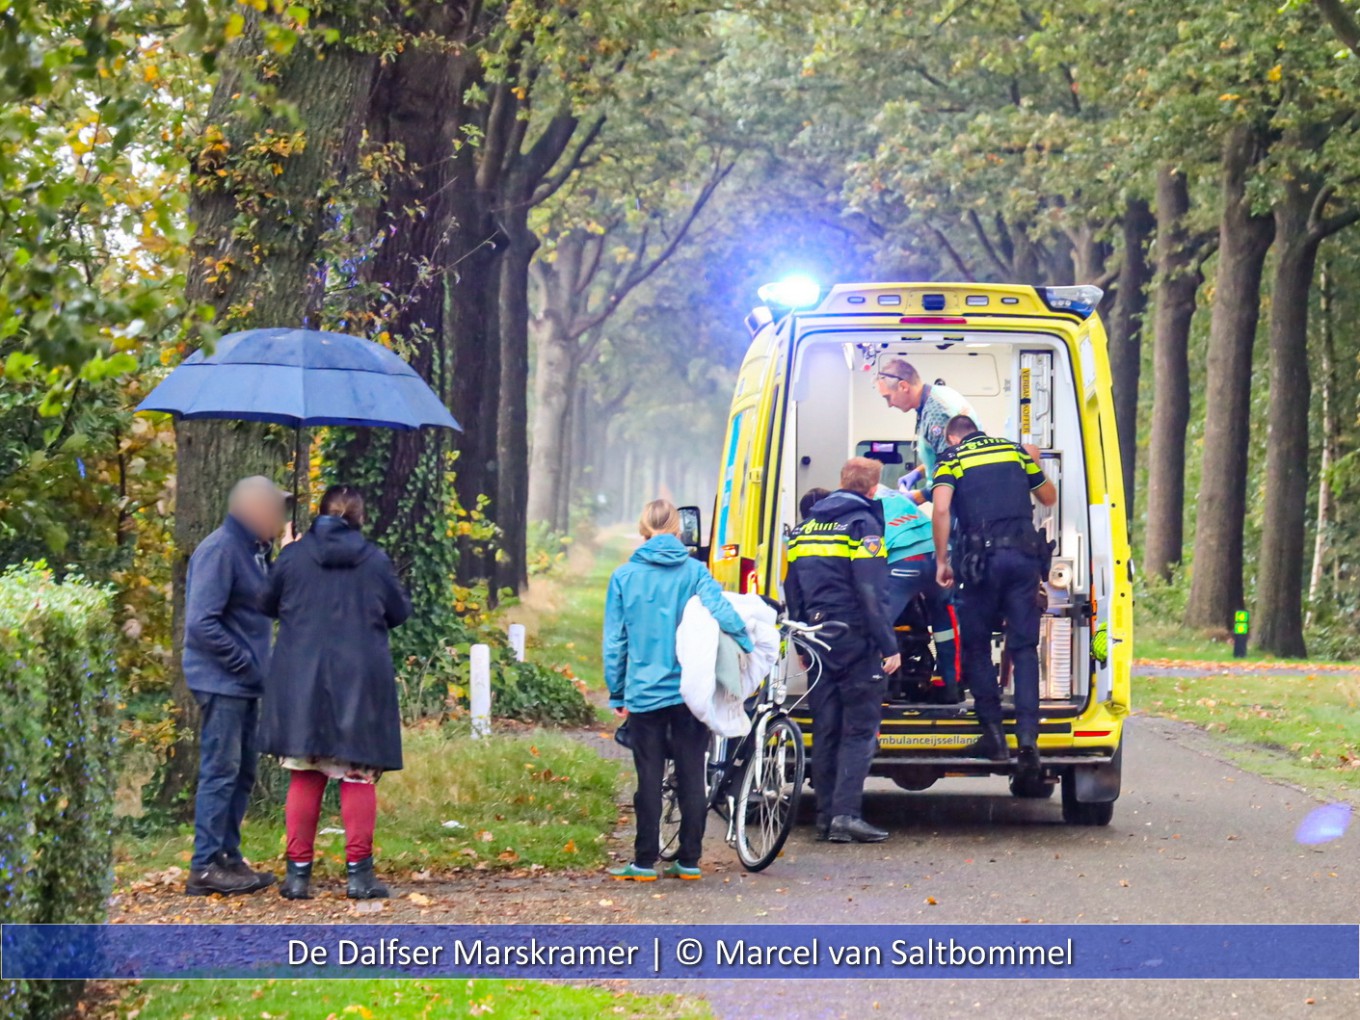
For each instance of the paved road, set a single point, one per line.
(1193, 839)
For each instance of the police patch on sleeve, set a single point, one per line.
(873, 544)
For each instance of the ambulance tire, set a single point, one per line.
(1077, 812)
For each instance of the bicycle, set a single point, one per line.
(754, 783)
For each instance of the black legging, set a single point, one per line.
(670, 732)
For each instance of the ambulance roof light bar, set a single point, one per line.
(1081, 300)
(790, 294)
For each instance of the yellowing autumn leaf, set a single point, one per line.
(1275, 73)
(570, 848)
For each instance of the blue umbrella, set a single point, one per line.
(300, 377)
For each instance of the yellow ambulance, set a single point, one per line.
(1032, 363)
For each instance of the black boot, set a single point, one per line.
(1027, 760)
(849, 829)
(297, 883)
(991, 745)
(363, 884)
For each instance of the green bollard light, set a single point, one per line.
(1241, 625)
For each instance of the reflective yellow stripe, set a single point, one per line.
(969, 460)
(860, 553)
(803, 552)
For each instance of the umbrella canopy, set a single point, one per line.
(300, 377)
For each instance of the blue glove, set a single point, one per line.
(908, 481)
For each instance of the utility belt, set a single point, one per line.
(974, 548)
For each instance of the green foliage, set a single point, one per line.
(58, 704)
(533, 693)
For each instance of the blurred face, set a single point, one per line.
(263, 513)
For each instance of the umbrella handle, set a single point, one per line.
(297, 469)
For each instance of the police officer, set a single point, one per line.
(986, 483)
(838, 572)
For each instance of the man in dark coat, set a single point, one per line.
(330, 703)
(226, 654)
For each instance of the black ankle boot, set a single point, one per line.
(297, 883)
(1027, 760)
(363, 884)
(991, 745)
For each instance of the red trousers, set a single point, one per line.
(358, 810)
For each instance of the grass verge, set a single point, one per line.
(1304, 729)
(365, 1000)
(570, 610)
(518, 801)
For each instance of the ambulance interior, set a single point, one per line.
(1020, 387)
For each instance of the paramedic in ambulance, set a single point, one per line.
(902, 387)
(1000, 557)
(838, 572)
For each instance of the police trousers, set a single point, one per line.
(1006, 599)
(847, 707)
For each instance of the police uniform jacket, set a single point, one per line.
(992, 479)
(838, 568)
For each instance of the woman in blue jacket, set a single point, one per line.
(647, 597)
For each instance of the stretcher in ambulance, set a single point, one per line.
(1032, 363)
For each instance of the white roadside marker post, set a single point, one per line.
(480, 694)
(517, 638)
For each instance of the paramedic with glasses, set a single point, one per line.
(902, 387)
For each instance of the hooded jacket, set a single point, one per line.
(838, 568)
(331, 691)
(643, 609)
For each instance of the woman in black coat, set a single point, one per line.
(330, 703)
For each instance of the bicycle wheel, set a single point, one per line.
(670, 814)
(767, 803)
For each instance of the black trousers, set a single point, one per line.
(1009, 595)
(669, 732)
(847, 708)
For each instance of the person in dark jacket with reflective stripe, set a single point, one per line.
(226, 654)
(987, 483)
(330, 704)
(838, 572)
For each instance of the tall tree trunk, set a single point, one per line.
(416, 107)
(1126, 337)
(512, 433)
(267, 279)
(271, 278)
(552, 401)
(1331, 435)
(1178, 281)
(1299, 230)
(1243, 243)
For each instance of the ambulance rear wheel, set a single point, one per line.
(1076, 812)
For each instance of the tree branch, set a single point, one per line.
(1343, 22)
(986, 242)
(967, 272)
(549, 187)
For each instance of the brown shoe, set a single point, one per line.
(237, 866)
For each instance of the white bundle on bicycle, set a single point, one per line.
(715, 680)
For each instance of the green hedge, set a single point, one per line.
(58, 705)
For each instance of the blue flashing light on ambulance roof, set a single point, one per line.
(791, 293)
(1081, 300)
